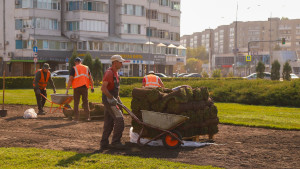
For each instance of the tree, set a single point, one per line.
(193, 65)
(216, 73)
(204, 74)
(97, 71)
(88, 61)
(287, 70)
(198, 53)
(275, 70)
(260, 70)
(72, 59)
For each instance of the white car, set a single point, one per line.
(61, 73)
(293, 76)
(254, 76)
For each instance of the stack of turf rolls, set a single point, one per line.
(193, 103)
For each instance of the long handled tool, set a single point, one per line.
(3, 112)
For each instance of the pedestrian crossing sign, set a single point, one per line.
(248, 58)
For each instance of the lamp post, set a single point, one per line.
(149, 36)
(235, 38)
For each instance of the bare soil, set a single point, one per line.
(235, 146)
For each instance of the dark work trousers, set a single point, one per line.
(112, 122)
(81, 91)
(40, 100)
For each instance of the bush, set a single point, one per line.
(287, 70)
(26, 82)
(260, 70)
(236, 90)
(275, 70)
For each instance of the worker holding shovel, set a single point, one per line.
(40, 82)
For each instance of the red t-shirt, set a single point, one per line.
(108, 77)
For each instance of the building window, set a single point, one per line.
(87, 6)
(152, 32)
(152, 14)
(132, 29)
(73, 26)
(63, 45)
(175, 5)
(45, 44)
(19, 44)
(164, 2)
(18, 24)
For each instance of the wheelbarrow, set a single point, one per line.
(162, 122)
(60, 99)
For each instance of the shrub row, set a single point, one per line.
(253, 92)
(26, 82)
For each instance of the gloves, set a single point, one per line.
(38, 91)
(112, 101)
(92, 90)
(67, 91)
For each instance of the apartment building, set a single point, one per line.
(256, 38)
(145, 32)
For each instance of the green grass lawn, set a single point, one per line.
(229, 113)
(39, 158)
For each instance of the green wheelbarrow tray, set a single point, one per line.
(162, 122)
(59, 99)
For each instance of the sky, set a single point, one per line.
(198, 15)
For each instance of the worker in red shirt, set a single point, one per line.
(40, 82)
(151, 80)
(113, 121)
(81, 79)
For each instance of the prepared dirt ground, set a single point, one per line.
(235, 146)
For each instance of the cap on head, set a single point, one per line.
(46, 66)
(117, 58)
(77, 59)
(151, 72)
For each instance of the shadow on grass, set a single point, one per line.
(132, 149)
(71, 160)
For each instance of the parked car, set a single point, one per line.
(182, 74)
(61, 73)
(193, 75)
(254, 76)
(160, 75)
(293, 76)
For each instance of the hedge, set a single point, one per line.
(26, 82)
(253, 92)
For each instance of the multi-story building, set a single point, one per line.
(145, 32)
(256, 38)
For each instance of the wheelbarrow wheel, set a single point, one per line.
(170, 142)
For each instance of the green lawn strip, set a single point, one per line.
(40, 158)
(259, 116)
(229, 113)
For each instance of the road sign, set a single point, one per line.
(35, 54)
(248, 58)
(35, 59)
(35, 49)
(67, 60)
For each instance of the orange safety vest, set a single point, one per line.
(81, 76)
(42, 83)
(152, 81)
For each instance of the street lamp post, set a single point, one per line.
(235, 38)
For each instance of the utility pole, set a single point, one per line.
(235, 40)
(4, 40)
(149, 39)
(270, 46)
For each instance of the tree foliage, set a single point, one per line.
(275, 70)
(216, 73)
(260, 70)
(198, 53)
(97, 70)
(205, 74)
(72, 59)
(193, 65)
(287, 70)
(88, 61)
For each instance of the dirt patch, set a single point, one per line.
(236, 146)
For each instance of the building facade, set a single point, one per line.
(260, 39)
(145, 32)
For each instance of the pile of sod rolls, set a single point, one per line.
(96, 110)
(194, 103)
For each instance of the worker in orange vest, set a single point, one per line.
(80, 79)
(151, 80)
(42, 76)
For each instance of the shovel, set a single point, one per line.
(3, 112)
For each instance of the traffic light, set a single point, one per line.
(283, 41)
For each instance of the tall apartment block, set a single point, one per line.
(145, 32)
(260, 39)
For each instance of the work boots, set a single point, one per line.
(41, 113)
